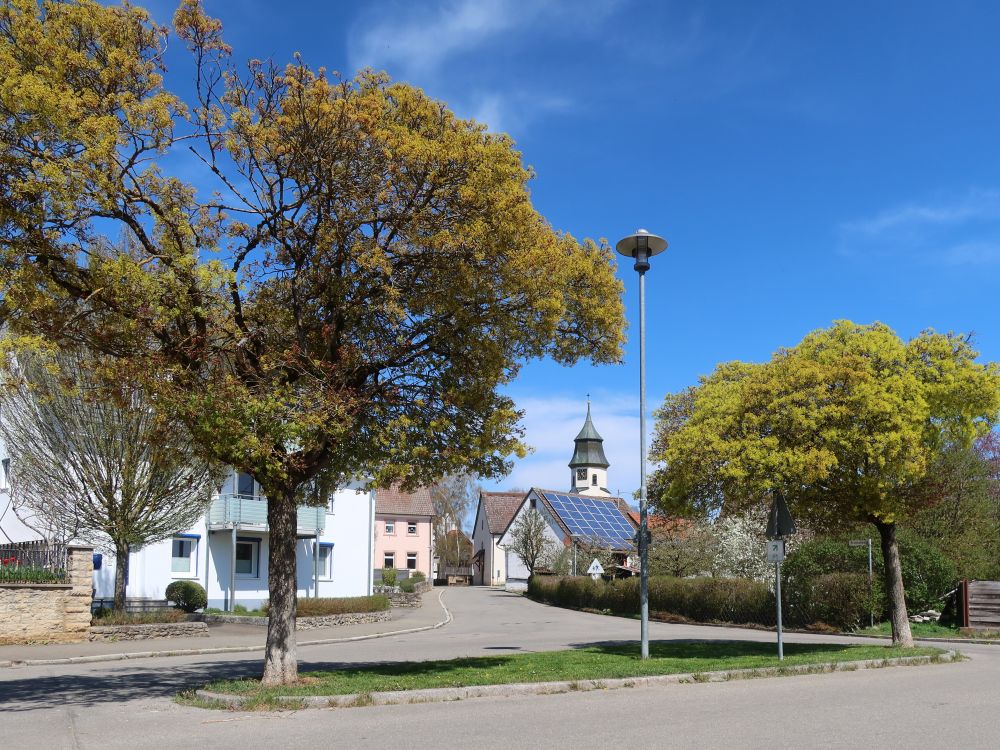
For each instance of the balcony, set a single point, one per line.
(249, 513)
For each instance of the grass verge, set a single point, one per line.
(929, 630)
(593, 663)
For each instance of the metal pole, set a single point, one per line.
(232, 572)
(871, 583)
(643, 509)
(777, 594)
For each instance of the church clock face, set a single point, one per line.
(581, 474)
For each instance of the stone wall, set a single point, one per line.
(304, 623)
(49, 612)
(148, 630)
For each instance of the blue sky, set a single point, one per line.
(807, 162)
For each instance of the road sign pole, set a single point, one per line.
(871, 584)
(777, 595)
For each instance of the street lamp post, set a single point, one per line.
(642, 246)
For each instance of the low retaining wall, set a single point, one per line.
(31, 612)
(147, 631)
(302, 623)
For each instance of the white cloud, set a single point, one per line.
(954, 230)
(551, 423)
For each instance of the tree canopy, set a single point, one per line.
(330, 276)
(847, 424)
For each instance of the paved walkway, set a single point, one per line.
(226, 636)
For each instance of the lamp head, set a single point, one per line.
(642, 246)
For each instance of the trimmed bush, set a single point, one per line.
(342, 605)
(388, 576)
(927, 574)
(840, 600)
(417, 577)
(730, 600)
(187, 595)
(407, 585)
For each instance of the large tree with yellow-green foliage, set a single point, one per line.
(847, 424)
(343, 288)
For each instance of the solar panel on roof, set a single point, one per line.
(592, 517)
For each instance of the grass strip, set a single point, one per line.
(928, 630)
(596, 662)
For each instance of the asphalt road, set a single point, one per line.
(128, 704)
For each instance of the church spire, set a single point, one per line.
(589, 450)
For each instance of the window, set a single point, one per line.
(389, 560)
(326, 560)
(184, 555)
(411, 529)
(390, 527)
(411, 560)
(247, 558)
(244, 484)
(332, 504)
(4, 474)
(593, 480)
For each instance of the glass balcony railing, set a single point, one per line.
(251, 511)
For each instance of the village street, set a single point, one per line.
(128, 704)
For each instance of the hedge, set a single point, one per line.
(729, 600)
(339, 605)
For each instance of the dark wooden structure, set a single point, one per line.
(979, 605)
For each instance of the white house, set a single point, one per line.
(493, 516)
(227, 551)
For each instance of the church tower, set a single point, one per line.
(589, 465)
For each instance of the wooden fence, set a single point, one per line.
(979, 604)
(32, 562)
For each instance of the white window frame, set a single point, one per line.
(390, 528)
(389, 557)
(409, 525)
(412, 556)
(326, 566)
(254, 558)
(192, 556)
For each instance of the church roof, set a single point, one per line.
(589, 449)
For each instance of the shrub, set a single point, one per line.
(389, 576)
(187, 595)
(732, 600)
(840, 600)
(417, 577)
(339, 605)
(927, 574)
(407, 585)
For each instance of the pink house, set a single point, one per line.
(403, 538)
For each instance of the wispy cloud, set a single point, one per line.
(951, 230)
(462, 49)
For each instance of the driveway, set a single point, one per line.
(127, 704)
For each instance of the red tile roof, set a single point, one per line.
(394, 501)
(500, 508)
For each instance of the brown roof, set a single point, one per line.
(657, 522)
(500, 508)
(394, 501)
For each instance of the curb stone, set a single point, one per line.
(438, 695)
(15, 663)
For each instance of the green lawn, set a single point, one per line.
(594, 663)
(926, 630)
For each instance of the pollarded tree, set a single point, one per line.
(847, 424)
(93, 461)
(367, 275)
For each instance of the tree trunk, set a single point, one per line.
(901, 635)
(280, 661)
(121, 575)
